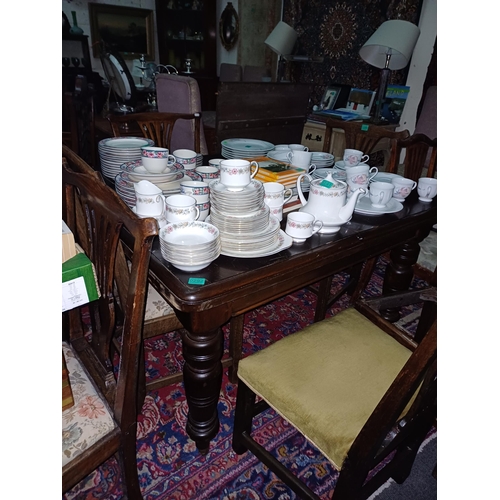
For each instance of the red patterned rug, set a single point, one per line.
(170, 466)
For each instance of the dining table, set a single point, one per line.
(206, 300)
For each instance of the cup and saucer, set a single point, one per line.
(161, 219)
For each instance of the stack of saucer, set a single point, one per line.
(115, 151)
(190, 246)
(246, 227)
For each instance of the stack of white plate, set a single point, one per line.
(246, 227)
(115, 151)
(245, 148)
(321, 173)
(130, 174)
(199, 160)
(322, 160)
(190, 246)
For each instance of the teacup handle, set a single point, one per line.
(306, 148)
(287, 198)
(317, 225)
(191, 173)
(197, 213)
(414, 185)
(312, 168)
(373, 171)
(171, 158)
(364, 159)
(289, 156)
(256, 165)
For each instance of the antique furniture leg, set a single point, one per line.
(399, 272)
(235, 346)
(202, 382)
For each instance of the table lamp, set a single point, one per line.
(389, 48)
(282, 40)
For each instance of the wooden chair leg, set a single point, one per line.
(235, 345)
(323, 293)
(365, 277)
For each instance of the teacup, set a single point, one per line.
(298, 147)
(359, 176)
(237, 174)
(281, 147)
(380, 193)
(155, 160)
(204, 209)
(149, 199)
(402, 188)
(277, 212)
(199, 190)
(275, 194)
(354, 157)
(215, 162)
(185, 157)
(300, 159)
(207, 173)
(427, 189)
(181, 208)
(302, 225)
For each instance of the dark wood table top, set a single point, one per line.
(234, 279)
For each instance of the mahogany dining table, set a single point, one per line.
(231, 286)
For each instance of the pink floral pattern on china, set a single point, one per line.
(274, 196)
(276, 210)
(170, 228)
(203, 206)
(154, 154)
(401, 192)
(235, 171)
(359, 179)
(148, 200)
(195, 190)
(299, 225)
(180, 211)
(186, 161)
(329, 194)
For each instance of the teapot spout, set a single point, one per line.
(346, 211)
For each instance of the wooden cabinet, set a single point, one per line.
(187, 30)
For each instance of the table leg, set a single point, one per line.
(202, 383)
(399, 272)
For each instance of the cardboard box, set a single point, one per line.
(67, 394)
(68, 243)
(79, 284)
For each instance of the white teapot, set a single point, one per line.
(328, 202)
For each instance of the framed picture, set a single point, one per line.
(330, 97)
(127, 30)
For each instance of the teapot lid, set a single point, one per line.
(329, 182)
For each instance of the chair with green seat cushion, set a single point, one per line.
(345, 384)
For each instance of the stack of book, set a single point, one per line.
(282, 172)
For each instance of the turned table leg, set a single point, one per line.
(399, 274)
(202, 383)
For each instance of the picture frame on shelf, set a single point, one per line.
(127, 30)
(330, 97)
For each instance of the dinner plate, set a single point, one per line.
(364, 206)
(246, 145)
(284, 242)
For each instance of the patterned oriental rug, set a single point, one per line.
(169, 465)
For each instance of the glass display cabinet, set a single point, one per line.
(187, 40)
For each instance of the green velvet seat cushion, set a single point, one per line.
(327, 379)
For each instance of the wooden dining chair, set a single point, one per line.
(157, 126)
(355, 391)
(159, 317)
(103, 421)
(363, 136)
(420, 156)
